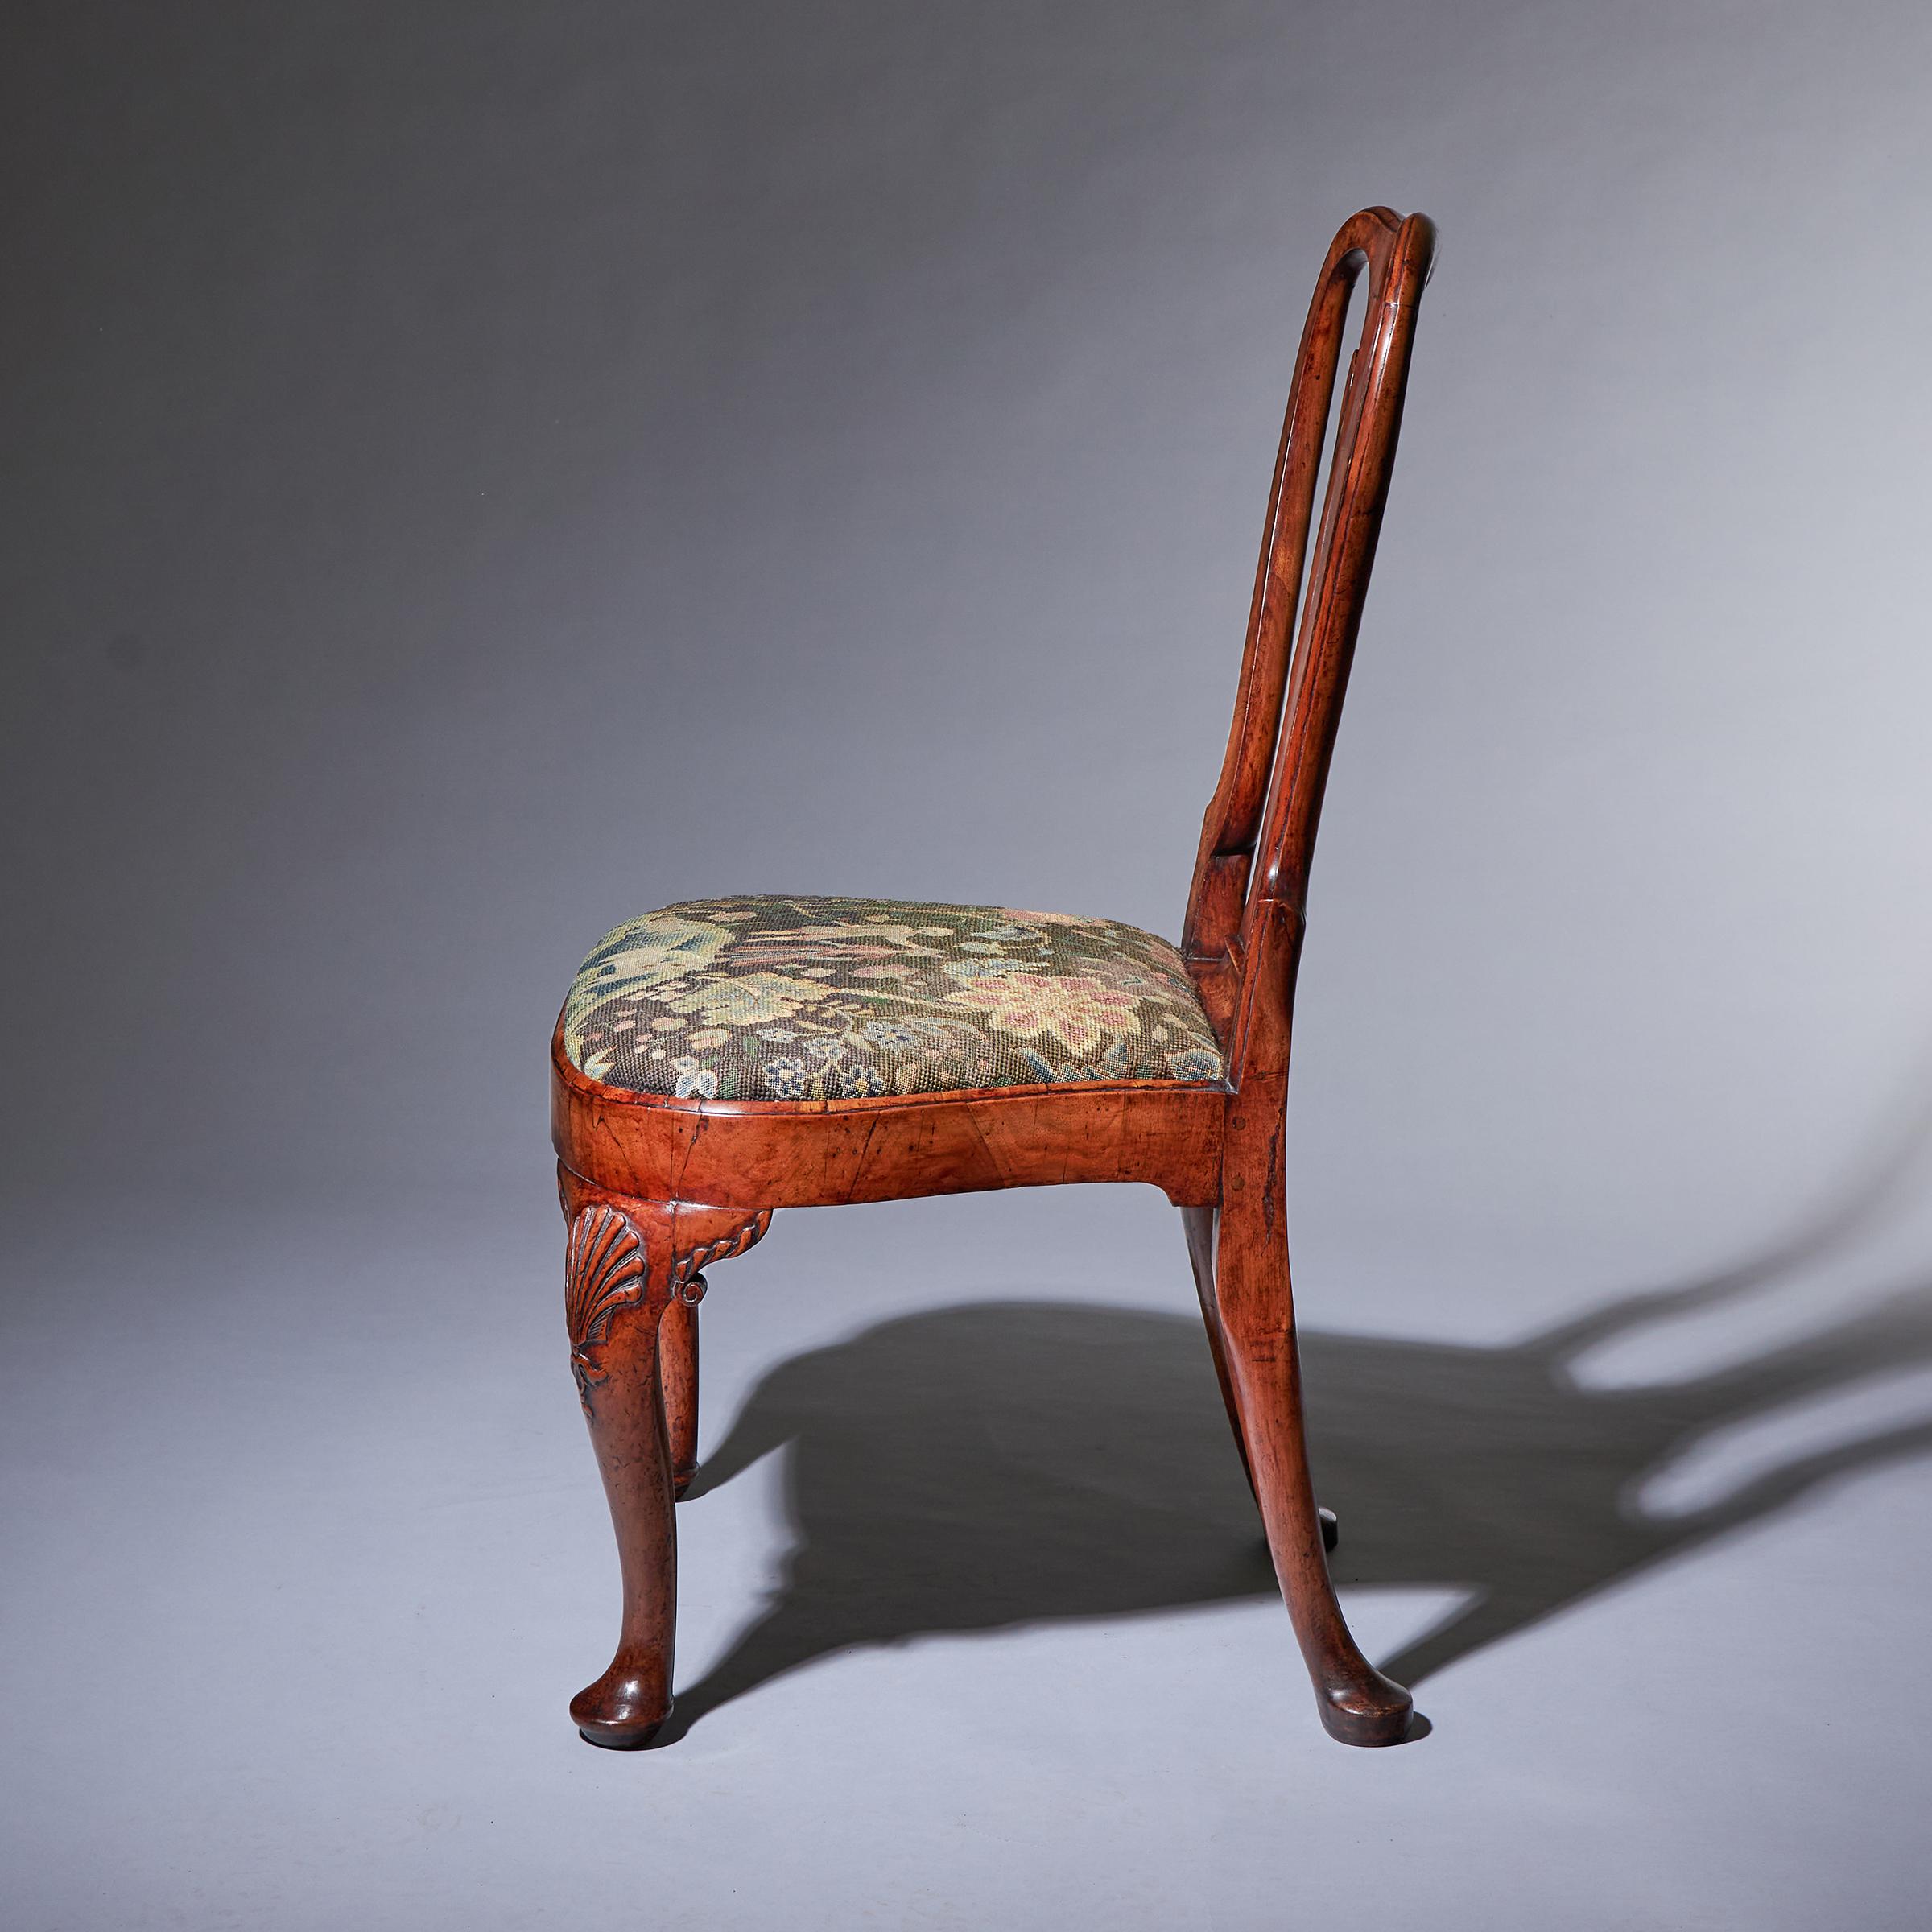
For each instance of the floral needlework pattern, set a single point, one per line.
(823, 999)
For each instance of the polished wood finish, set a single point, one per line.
(813, 1154)
(627, 1264)
(678, 1376)
(655, 1188)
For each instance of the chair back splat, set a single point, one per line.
(1245, 909)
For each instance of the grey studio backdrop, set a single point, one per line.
(473, 473)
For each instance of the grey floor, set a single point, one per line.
(307, 1555)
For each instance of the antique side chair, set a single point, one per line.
(719, 1059)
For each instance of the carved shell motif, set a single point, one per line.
(605, 1270)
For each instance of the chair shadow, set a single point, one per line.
(1004, 1463)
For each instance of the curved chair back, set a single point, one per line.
(1243, 929)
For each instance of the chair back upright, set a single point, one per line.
(1242, 937)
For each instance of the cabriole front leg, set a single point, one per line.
(632, 1281)
(615, 1310)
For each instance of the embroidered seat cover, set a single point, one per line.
(785, 999)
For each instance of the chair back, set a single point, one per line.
(1244, 911)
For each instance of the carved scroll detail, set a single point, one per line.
(605, 1270)
(688, 1283)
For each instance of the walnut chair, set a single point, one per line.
(722, 1059)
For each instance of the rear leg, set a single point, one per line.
(1358, 1705)
(1199, 1224)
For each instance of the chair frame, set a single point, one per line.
(655, 1189)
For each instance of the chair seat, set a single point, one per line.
(815, 999)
